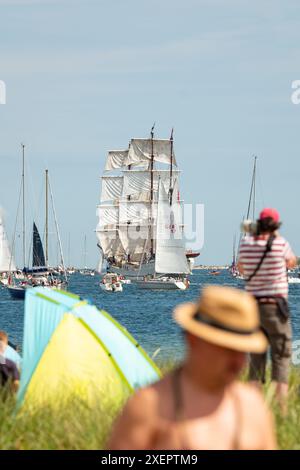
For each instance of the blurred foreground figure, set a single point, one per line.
(9, 374)
(202, 405)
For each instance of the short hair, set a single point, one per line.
(3, 337)
(268, 225)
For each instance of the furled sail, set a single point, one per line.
(38, 257)
(170, 255)
(140, 150)
(112, 188)
(7, 262)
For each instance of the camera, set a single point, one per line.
(250, 227)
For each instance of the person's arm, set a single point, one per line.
(240, 268)
(15, 378)
(135, 428)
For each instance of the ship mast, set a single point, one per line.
(151, 191)
(23, 197)
(171, 170)
(47, 221)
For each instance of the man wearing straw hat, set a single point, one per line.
(202, 405)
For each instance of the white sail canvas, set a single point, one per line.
(137, 184)
(112, 188)
(140, 150)
(7, 262)
(116, 159)
(170, 255)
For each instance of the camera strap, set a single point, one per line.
(267, 250)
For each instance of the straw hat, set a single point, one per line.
(226, 317)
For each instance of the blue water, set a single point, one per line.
(147, 315)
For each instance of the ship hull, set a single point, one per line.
(130, 272)
(17, 292)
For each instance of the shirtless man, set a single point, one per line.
(202, 405)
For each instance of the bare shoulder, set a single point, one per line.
(256, 417)
(136, 426)
(143, 401)
(251, 399)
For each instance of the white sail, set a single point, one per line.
(7, 262)
(116, 159)
(140, 150)
(135, 212)
(112, 188)
(134, 238)
(170, 255)
(110, 243)
(101, 260)
(108, 216)
(137, 183)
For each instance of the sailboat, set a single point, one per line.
(128, 206)
(86, 271)
(7, 263)
(40, 274)
(251, 210)
(171, 265)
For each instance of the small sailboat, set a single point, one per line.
(111, 283)
(85, 271)
(251, 210)
(171, 265)
(40, 274)
(7, 263)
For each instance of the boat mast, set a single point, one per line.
(254, 188)
(69, 246)
(23, 197)
(47, 220)
(171, 170)
(152, 191)
(252, 191)
(84, 260)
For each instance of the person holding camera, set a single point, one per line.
(264, 258)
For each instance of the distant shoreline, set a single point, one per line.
(210, 268)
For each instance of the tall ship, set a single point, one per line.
(127, 227)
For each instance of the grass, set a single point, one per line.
(76, 425)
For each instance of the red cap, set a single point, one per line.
(272, 213)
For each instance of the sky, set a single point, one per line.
(85, 76)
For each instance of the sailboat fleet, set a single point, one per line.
(39, 274)
(140, 229)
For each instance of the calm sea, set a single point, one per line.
(147, 315)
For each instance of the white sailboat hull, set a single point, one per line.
(294, 280)
(163, 284)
